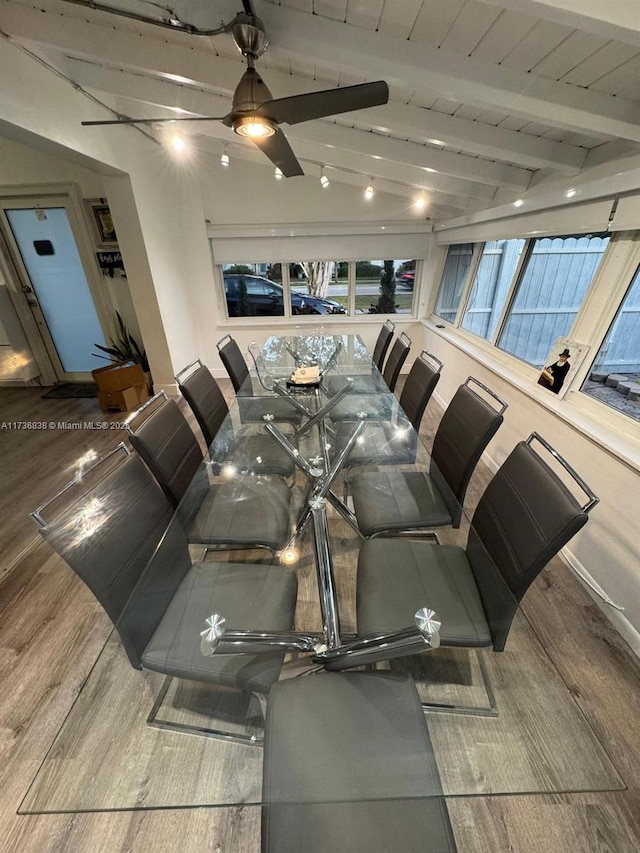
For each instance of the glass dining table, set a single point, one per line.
(494, 723)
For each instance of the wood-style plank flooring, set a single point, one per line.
(52, 631)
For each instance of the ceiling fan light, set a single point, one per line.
(254, 127)
(368, 193)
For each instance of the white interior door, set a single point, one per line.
(56, 288)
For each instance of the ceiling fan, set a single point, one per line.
(256, 115)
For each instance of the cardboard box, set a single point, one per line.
(123, 400)
(118, 377)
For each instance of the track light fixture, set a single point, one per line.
(368, 193)
(324, 180)
(278, 174)
(224, 159)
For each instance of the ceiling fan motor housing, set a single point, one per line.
(249, 36)
(250, 92)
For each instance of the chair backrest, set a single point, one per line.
(162, 436)
(112, 521)
(397, 357)
(206, 400)
(382, 344)
(467, 426)
(234, 364)
(525, 516)
(421, 382)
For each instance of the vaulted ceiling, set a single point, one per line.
(487, 99)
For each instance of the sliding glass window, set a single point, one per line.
(552, 287)
(491, 285)
(385, 287)
(614, 378)
(253, 290)
(454, 276)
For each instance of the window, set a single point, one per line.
(618, 361)
(319, 287)
(551, 290)
(454, 275)
(249, 294)
(385, 287)
(491, 285)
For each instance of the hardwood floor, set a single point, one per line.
(52, 631)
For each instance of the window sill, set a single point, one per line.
(311, 320)
(613, 432)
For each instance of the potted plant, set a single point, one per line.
(125, 348)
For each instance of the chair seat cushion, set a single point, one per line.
(397, 500)
(254, 409)
(246, 511)
(257, 597)
(396, 577)
(349, 766)
(380, 444)
(361, 383)
(256, 454)
(378, 407)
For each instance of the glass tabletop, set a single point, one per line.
(317, 604)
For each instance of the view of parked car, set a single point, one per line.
(264, 298)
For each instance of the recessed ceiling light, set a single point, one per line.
(278, 175)
(570, 193)
(518, 202)
(177, 143)
(435, 141)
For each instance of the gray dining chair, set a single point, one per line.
(358, 772)
(258, 452)
(239, 512)
(411, 502)
(394, 442)
(525, 516)
(107, 525)
(376, 405)
(253, 407)
(362, 384)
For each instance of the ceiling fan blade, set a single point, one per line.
(279, 152)
(151, 120)
(329, 102)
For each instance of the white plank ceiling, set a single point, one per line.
(488, 97)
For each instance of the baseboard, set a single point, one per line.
(170, 389)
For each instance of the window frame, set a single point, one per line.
(349, 316)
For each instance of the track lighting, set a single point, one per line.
(324, 180)
(224, 159)
(368, 193)
(278, 174)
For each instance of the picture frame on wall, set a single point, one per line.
(102, 223)
(561, 365)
